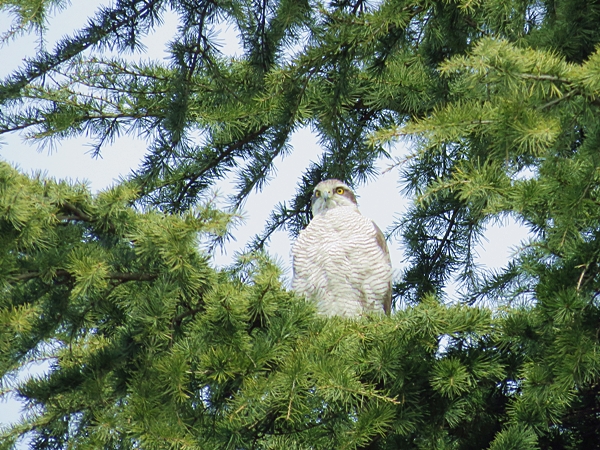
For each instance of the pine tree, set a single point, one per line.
(151, 347)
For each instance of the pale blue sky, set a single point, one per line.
(379, 200)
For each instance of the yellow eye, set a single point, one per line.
(339, 190)
(317, 193)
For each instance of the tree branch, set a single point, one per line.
(190, 312)
(438, 251)
(544, 77)
(229, 150)
(77, 213)
(117, 276)
(107, 24)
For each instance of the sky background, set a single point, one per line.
(71, 159)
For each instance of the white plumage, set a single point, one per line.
(341, 260)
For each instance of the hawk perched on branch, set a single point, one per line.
(341, 260)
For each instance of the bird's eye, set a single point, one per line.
(339, 190)
(317, 193)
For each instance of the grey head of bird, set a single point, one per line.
(329, 194)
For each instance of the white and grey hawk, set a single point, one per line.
(341, 260)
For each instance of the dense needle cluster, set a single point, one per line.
(486, 110)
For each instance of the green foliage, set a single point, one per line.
(150, 346)
(28, 15)
(520, 130)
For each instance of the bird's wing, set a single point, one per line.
(382, 244)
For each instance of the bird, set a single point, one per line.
(341, 260)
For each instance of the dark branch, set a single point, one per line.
(189, 312)
(108, 23)
(228, 152)
(76, 212)
(445, 239)
(117, 276)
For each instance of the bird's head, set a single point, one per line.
(331, 194)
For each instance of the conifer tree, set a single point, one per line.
(151, 347)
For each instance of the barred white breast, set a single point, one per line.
(341, 260)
